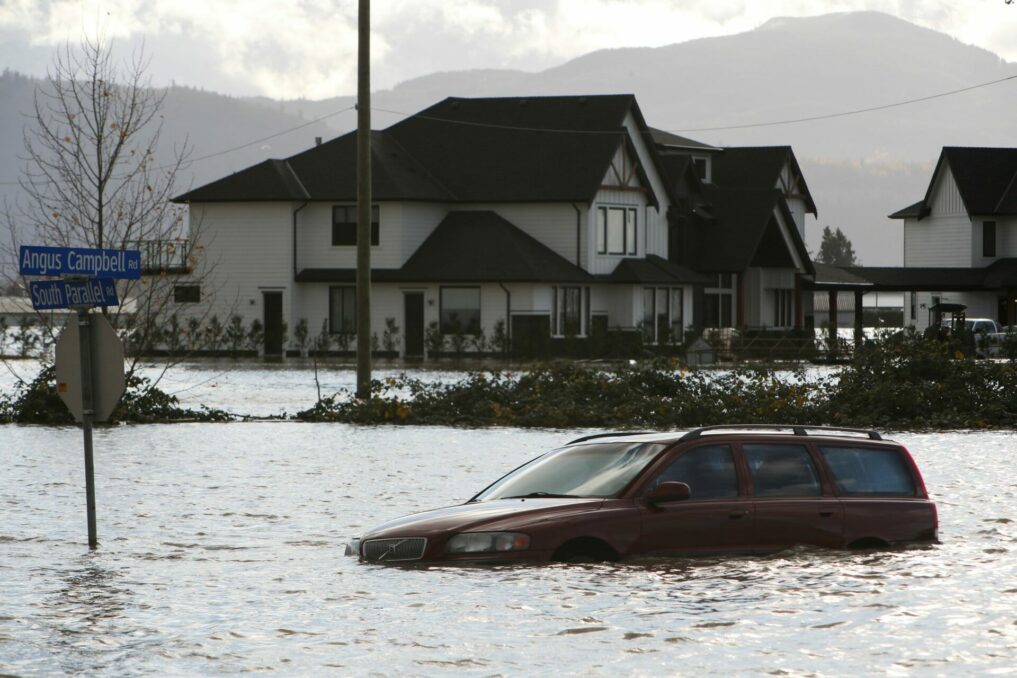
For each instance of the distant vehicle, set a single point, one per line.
(728, 489)
(983, 326)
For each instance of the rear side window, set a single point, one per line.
(869, 471)
(709, 471)
(782, 471)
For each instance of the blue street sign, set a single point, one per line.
(50, 294)
(91, 263)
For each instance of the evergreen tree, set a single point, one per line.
(836, 249)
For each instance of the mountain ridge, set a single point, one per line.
(860, 167)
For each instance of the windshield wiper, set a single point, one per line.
(552, 495)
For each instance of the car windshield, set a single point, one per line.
(591, 470)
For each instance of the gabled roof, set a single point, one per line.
(758, 168)
(916, 211)
(654, 270)
(471, 246)
(986, 179)
(270, 180)
(743, 228)
(675, 141)
(506, 149)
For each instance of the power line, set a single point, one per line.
(236, 148)
(842, 114)
(790, 121)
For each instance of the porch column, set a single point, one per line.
(833, 321)
(1010, 320)
(859, 335)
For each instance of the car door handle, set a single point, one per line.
(826, 514)
(735, 515)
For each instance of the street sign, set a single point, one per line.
(50, 294)
(107, 368)
(79, 261)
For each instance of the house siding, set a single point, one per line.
(250, 250)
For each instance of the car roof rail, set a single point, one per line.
(796, 429)
(612, 434)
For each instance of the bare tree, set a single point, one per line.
(92, 179)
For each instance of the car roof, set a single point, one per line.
(734, 430)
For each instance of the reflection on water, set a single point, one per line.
(221, 553)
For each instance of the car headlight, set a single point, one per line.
(353, 547)
(487, 542)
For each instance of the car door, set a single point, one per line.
(791, 504)
(716, 518)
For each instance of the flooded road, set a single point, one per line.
(221, 553)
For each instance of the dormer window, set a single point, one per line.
(702, 165)
(988, 238)
(616, 230)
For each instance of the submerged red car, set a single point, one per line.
(718, 489)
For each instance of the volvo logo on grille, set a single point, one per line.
(392, 548)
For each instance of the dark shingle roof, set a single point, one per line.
(986, 179)
(758, 168)
(664, 138)
(654, 270)
(471, 246)
(743, 229)
(269, 180)
(535, 149)
(837, 276)
(916, 211)
(984, 176)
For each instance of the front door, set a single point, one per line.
(272, 307)
(413, 321)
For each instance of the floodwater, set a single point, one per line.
(221, 553)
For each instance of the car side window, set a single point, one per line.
(709, 471)
(869, 471)
(780, 470)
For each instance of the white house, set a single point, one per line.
(960, 240)
(533, 218)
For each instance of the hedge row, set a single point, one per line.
(904, 382)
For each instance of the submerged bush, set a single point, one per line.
(38, 402)
(903, 382)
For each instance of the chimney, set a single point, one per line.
(317, 141)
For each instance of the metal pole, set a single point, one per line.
(85, 345)
(364, 203)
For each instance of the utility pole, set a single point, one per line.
(364, 202)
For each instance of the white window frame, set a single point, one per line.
(629, 236)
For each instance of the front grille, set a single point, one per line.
(391, 550)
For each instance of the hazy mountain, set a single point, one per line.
(859, 167)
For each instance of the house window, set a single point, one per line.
(344, 225)
(677, 315)
(662, 315)
(914, 306)
(718, 302)
(702, 165)
(187, 294)
(460, 310)
(568, 311)
(783, 308)
(616, 230)
(988, 238)
(342, 310)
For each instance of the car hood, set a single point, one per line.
(501, 514)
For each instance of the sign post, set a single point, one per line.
(89, 355)
(85, 344)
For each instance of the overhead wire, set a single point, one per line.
(719, 128)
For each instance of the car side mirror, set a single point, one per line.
(669, 491)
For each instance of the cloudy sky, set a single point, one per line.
(307, 48)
